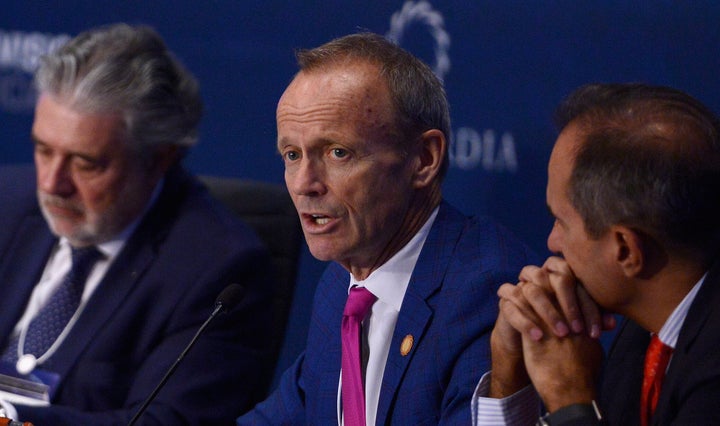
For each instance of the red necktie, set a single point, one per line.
(656, 361)
(353, 396)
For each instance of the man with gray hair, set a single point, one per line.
(111, 255)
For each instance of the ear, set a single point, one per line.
(629, 250)
(431, 152)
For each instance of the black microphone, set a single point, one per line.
(227, 300)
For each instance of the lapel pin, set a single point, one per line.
(406, 345)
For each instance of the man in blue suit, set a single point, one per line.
(362, 130)
(114, 116)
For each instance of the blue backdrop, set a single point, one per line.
(506, 64)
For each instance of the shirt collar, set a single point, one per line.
(390, 281)
(670, 331)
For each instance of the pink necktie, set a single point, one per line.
(353, 396)
(656, 361)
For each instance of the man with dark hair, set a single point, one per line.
(634, 185)
(401, 317)
(112, 255)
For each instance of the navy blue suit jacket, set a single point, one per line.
(690, 393)
(156, 294)
(449, 308)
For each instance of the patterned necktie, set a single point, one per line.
(353, 396)
(50, 321)
(656, 361)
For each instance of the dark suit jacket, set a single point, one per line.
(449, 308)
(152, 300)
(690, 393)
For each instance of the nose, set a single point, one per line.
(54, 177)
(553, 240)
(306, 177)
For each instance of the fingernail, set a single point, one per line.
(577, 326)
(595, 331)
(536, 334)
(561, 329)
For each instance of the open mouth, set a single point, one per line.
(320, 219)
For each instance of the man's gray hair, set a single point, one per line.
(129, 71)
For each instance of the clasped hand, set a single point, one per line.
(547, 333)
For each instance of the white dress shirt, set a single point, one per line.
(388, 283)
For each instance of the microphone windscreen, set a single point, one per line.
(230, 296)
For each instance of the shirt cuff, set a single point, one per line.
(9, 409)
(519, 409)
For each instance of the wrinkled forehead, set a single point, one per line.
(353, 93)
(350, 84)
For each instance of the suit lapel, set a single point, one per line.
(22, 267)
(624, 371)
(109, 296)
(125, 273)
(622, 378)
(415, 313)
(706, 300)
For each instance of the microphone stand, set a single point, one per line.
(217, 310)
